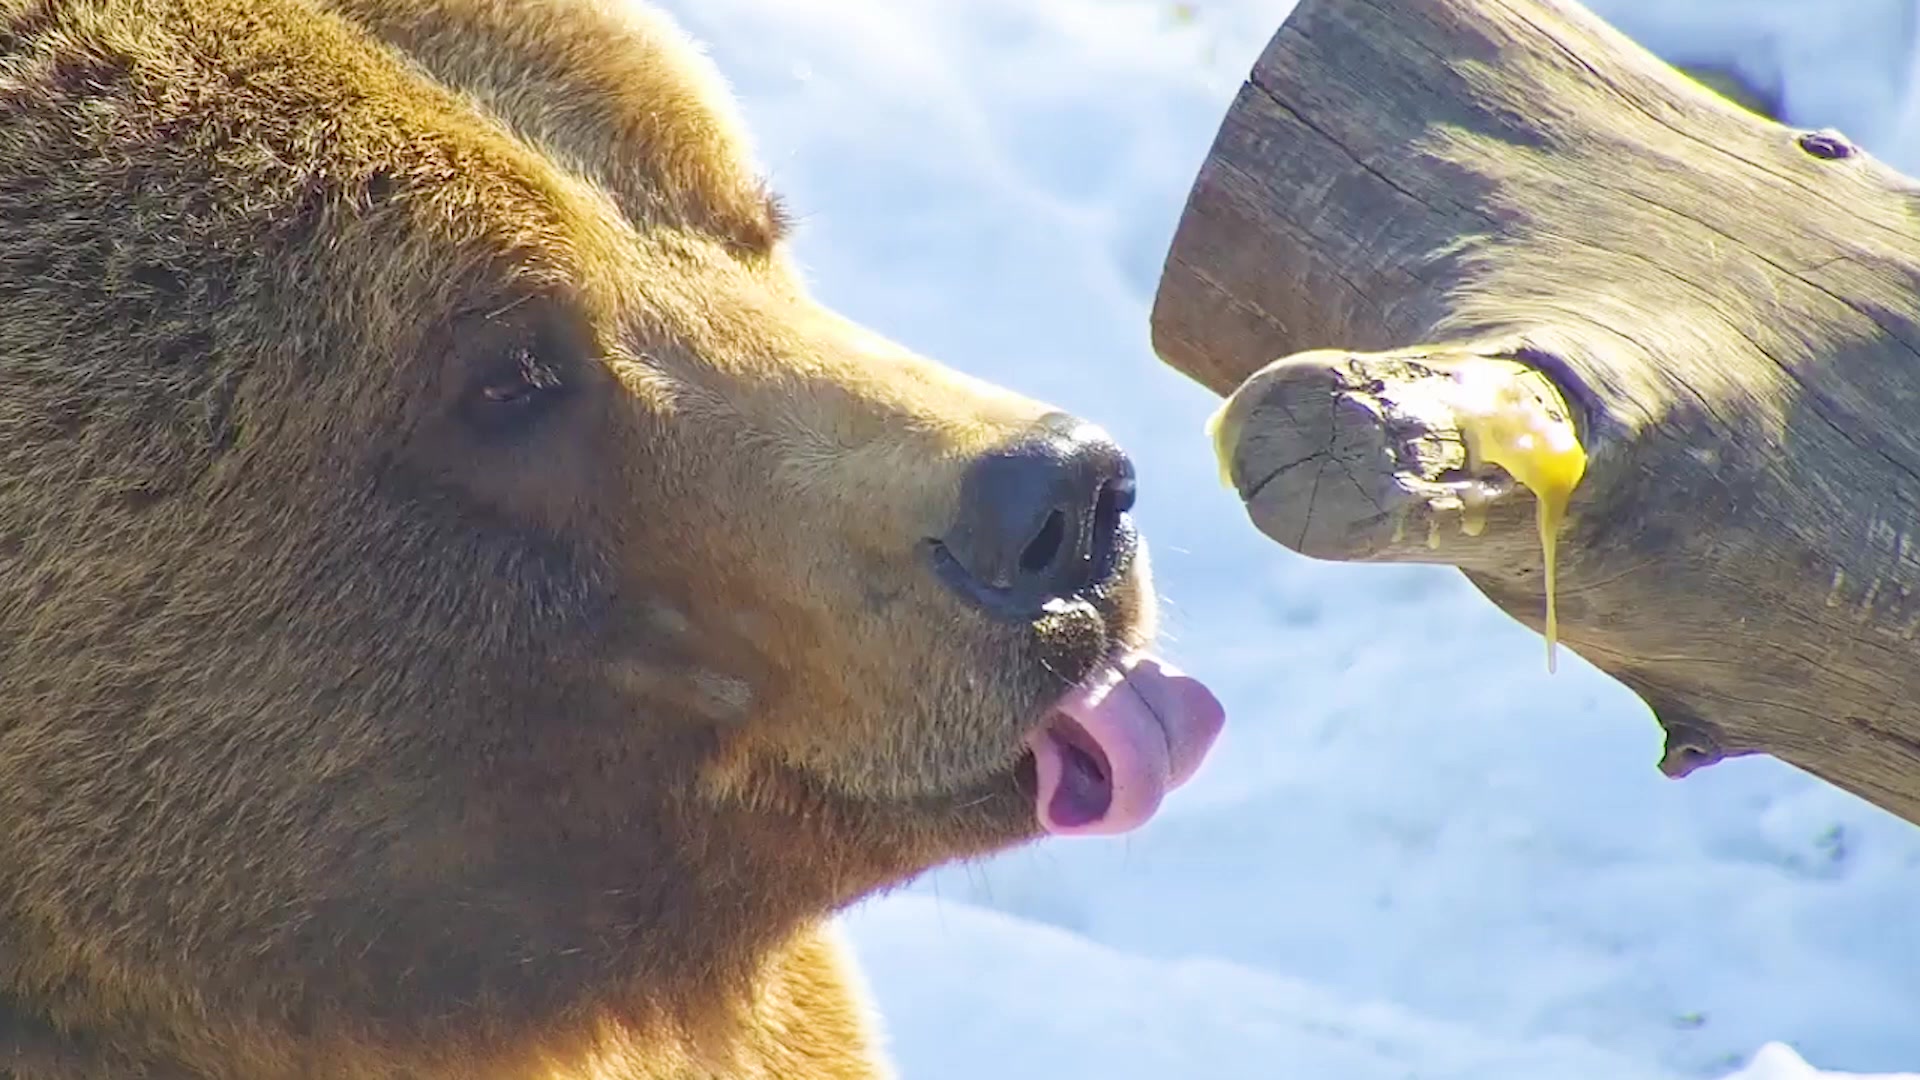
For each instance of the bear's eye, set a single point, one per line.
(519, 371)
(524, 380)
(514, 392)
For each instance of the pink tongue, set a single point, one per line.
(1118, 743)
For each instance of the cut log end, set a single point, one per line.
(1373, 456)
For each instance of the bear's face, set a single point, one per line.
(451, 574)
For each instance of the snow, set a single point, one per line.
(1414, 854)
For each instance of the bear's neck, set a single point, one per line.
(803, 1018)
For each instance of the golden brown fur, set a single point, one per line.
(354, 723)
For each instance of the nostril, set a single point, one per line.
(1040, 520)
(1045, 548)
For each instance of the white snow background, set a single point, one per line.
(1414, 855)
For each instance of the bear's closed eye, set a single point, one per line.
(520, 371)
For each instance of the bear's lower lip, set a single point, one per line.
(1116, 744)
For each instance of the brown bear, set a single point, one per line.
(464, 611)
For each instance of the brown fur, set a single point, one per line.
(349, 730)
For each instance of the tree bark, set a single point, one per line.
(1728, 308)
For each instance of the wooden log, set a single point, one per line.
(1727, 309)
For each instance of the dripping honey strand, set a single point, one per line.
(1506, 426)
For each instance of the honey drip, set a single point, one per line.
(1222, 440)
(1506, 425)
(1473, 512)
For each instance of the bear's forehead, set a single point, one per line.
(254, 100)
(244, 186)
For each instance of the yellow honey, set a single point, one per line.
(1505, 425)
(1222, 440)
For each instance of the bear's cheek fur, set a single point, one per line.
(817, 639)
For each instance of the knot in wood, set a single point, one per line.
(1826, 144)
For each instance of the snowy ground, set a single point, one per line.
(1414, 854)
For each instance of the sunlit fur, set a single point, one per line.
(341, 736)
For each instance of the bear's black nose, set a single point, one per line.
(1041, 519)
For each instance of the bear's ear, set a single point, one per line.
(636, 108)
(516, 366)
